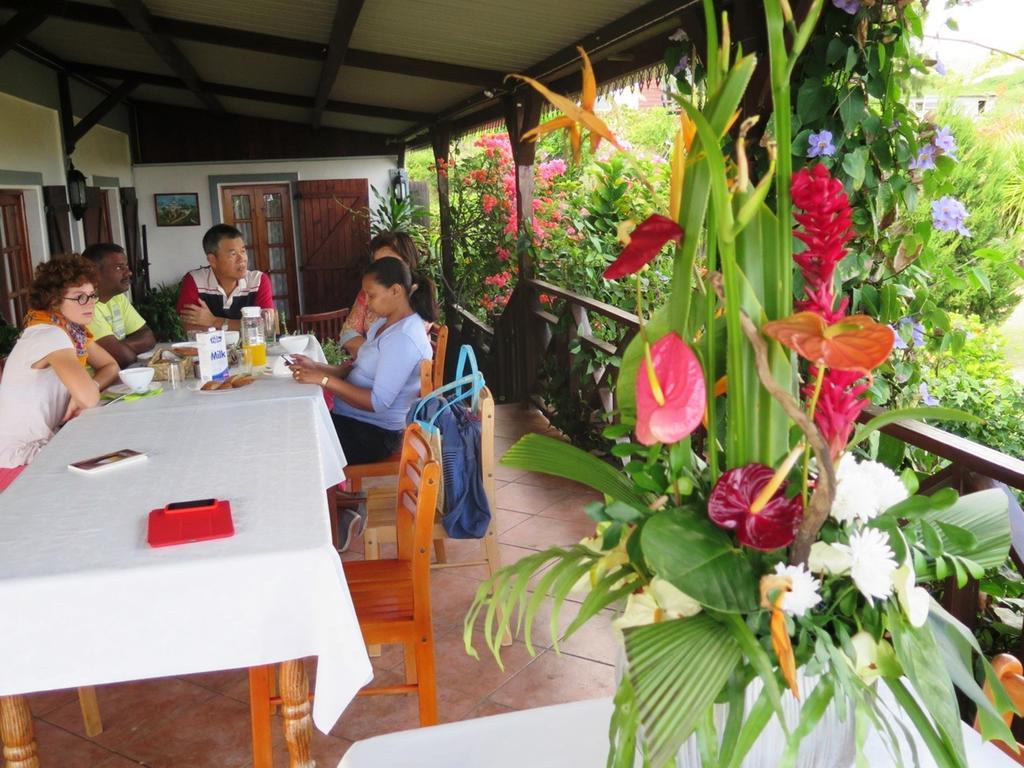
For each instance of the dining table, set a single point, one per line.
(88, 601)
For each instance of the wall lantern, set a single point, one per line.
(76, 192)
(400, 183)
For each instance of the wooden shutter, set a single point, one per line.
(132, 246)
(96, 221)
(334, 220)
(58, 224)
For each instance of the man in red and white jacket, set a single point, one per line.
(210, 295)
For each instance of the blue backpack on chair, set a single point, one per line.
(453, 410)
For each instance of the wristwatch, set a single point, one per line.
(323, 381)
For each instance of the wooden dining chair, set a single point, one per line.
(1011, 674)
(323, 325)
(381, 523)
(391, 597)
(356, 473)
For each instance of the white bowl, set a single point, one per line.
(231, 338)
(138, 379)
(294, 344)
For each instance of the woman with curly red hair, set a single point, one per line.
(45, 380)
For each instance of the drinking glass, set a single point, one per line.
(270, 324)
(174, 375)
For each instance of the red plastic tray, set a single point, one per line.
(167, 528)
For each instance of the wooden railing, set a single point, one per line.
(531, 337)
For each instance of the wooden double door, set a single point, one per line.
(263, 214)
(15, 258)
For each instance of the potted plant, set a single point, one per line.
(769, 576)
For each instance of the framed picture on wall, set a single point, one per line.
(177, 209)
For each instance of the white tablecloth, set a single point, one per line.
(563, 735)
(87, 601)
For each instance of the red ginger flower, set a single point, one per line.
(839, 404)
(826, 224)
(734, 504)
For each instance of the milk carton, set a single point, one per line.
(213, 355)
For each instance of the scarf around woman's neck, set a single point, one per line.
(78, 334)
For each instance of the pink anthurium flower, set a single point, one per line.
(644, 243)
(751, 501)
(670, 392)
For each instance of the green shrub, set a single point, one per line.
(159, 308)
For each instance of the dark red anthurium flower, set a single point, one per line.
(854, 343)
(670, 392)
(644, 243)
(734, 504)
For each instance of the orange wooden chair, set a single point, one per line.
(1011, 674)
(391, 598)
(356, 473)
(323, 325)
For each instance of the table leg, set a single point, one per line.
(259, 714)
(296, 711)
(19, 740)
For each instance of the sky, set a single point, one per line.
(998, 23)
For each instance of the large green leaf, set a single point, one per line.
(917, 652)
(955, 644)
(985, 515)
(698, 558)
(677, 669)
(539, 453)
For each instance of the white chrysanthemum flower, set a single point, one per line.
(803, 589)
(658, 601)
(825, 558)
(872, 563)
(914, 600)
(864, 490)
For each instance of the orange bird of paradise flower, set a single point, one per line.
(574, 116)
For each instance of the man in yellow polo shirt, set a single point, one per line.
(116, 325)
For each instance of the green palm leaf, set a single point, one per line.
(538, 453)
(676, 670)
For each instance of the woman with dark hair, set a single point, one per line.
(45, 379)
(373, 394)
(385, 244)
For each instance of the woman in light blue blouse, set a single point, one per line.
(373, 393)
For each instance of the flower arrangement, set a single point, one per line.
(750, 538)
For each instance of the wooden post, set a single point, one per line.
(260, 716)
(440, 141)
(522, 112)
(19, 740)
(296, 711)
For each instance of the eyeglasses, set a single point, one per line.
(83, 298)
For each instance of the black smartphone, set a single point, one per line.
(179, 506)
(288, 360)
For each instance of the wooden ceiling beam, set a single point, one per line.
(346, 14)
(137, 14)
(273, 44)
(19, 27)
(252, 94)
(97, 113)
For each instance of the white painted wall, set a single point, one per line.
(104, 152)
(175, 250)
(30, 139)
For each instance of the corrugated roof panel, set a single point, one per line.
(369, 124)
(92, 44)
(307, 20)
(217, 64)
(366, 86)
(484, 33)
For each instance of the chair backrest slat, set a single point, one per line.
(418, 479)
(323, 325)
(439, 341)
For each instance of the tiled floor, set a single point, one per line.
(202, 721)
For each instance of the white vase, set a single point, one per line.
(832, 743)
